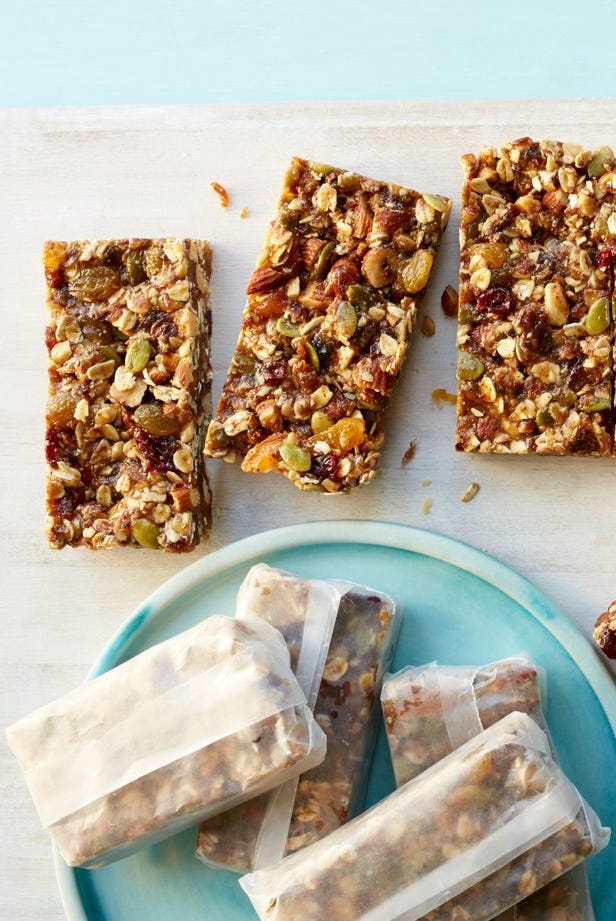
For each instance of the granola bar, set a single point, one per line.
(129, 381)
(331, 307)
(498, 813)
(190, 727)
(362, 645)
(431, 710)
(534, 363)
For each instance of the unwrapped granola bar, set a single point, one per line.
(331, 307)
(129, 380)
(431, 710)
(263, 830)
(497, 815)
(534, 362)
(188, 728)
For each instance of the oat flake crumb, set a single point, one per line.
(471, 492)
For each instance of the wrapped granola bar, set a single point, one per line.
(431, 710)
(261, 831)
(489, 824)
(188, 728)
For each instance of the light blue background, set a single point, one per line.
(79, 52)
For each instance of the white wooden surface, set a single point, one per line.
(147, 172)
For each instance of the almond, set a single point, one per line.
(343, 273)
(311, 247)
(362, 220)
(555, 201)
(265, 278)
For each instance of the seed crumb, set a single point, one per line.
(409, 454)
(471, 492)
(428, 326)
(441, 396)
(426, 506)
(244, 213)
(449, 301)
(426, 482)
(222, 194)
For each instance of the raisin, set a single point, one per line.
(497, 301)
(161, 324)
(339, 406)
(157, 450)
(325, 466)
(584, 443)
(323, 348)
(576, 377)
(63, 507)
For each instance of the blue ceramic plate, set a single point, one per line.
(459, 606)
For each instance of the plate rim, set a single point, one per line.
(386, 534)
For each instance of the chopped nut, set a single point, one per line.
(428, 326)
(409, 454)
(604, 632)
(61, 352)
(222, 194)
(449, 301)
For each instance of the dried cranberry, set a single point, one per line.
(274, 371)
(157, 450)
(52, 446)
(325, 467)
(495, 300)
(162, 325)
(607, 256)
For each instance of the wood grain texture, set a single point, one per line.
(147, 172)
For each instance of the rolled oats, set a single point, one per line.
(332, 303)
(126, 316)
